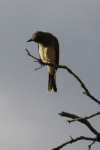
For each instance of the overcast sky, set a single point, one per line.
(29, 117)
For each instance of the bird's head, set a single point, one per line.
(38, 37)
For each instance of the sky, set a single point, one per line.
(28, 113)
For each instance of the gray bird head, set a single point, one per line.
(38, 37)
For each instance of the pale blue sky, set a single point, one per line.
(28, 113)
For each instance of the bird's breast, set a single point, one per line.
(47, 54)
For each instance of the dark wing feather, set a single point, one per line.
(56, 50)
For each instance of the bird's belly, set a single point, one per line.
(47, 54)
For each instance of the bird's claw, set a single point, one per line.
(40, 62)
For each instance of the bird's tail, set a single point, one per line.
(52, 83)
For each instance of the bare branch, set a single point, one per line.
(70, 71)
(75, 117)
(74, 140)
(98, 113)
(84, 121)
(31, 55)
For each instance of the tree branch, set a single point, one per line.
(70, 71)
(84, 121)
(98, 113)
(75, 117)
(74, 140)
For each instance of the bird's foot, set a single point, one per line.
(40, 62)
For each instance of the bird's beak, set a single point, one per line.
(30, 40)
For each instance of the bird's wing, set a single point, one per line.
(57, 51)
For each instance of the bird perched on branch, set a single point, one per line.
(48, 47)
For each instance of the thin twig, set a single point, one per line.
(31, 55)
(39, 68)
(90, 145)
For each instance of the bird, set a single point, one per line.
(48, 48)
